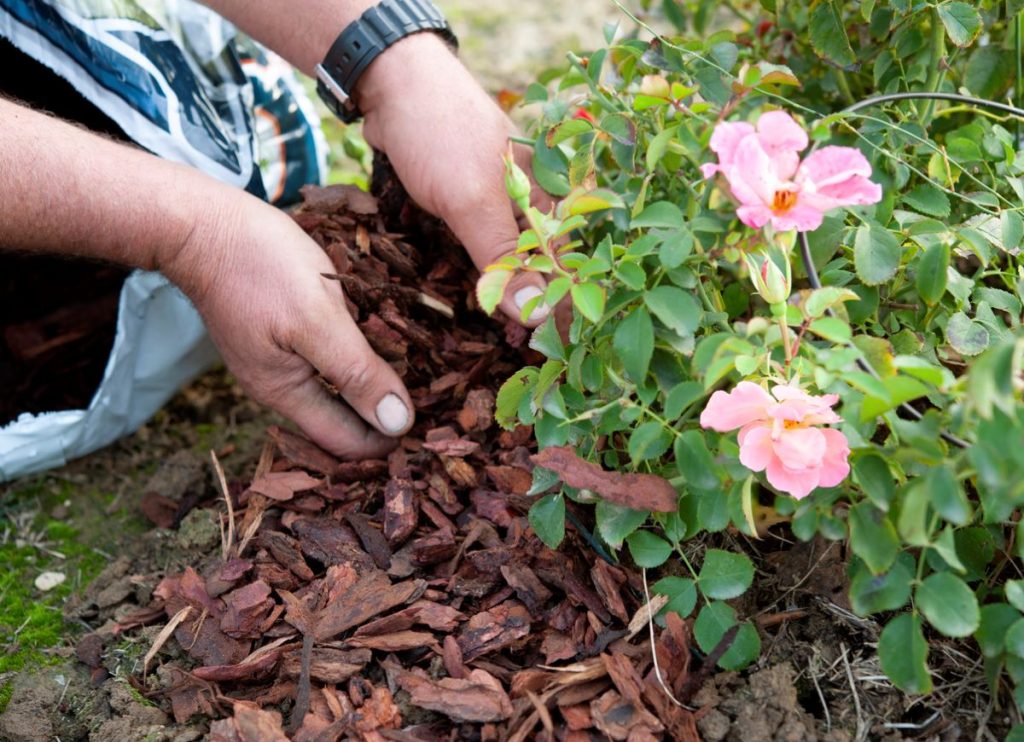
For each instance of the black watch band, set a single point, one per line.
(363, 41)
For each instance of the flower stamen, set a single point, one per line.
(783, 201)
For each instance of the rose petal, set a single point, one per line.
(783, 139)
(751, 174)
(745, 404)
(756, 450)
(831, 165)
(835, 466)
(755, 216)
(726, 138)
(838, 176)
(796, 483)
(800, 448)
(804, 217)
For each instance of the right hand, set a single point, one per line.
(446, 139)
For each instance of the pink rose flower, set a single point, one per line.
(779, 435)
(763, 168)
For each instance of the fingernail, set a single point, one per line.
(392, 414)
(524, 295)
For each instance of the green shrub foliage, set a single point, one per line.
(916, 325)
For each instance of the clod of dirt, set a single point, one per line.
(199, 531)
(27, 716)
(762, 708)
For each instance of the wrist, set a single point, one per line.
(399, 67)
(205, 214)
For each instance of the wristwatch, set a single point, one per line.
(363, 41)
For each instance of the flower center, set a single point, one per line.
(783, 201)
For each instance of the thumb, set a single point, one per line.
(489, 231)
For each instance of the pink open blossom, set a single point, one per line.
(779, 435)
(763, 169)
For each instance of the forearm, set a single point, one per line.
(67, 190)
(304, 34)
(300, 32)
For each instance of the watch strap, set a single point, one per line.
(364, 40)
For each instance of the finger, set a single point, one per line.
(330, 424)
(369, 385)
(487, 227)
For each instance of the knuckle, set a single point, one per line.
(358, 376)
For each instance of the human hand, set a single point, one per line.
(256, 279)
(446, 138)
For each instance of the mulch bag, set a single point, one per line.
(184, 84)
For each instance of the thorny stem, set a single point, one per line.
(938, 50)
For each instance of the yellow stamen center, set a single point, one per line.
(783, 201)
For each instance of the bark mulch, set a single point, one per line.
(408, 598)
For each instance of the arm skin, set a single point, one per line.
(251, 272)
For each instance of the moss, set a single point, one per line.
(6, 691)
(32, 622)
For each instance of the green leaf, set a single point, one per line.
(683, 394)
(873, 475)
(962, 22)
(947, 496)
(659, 215)
(876, 254)
(928, 200)
(648, 441)
(694, 461)
(1015, 593)
(828, 35)
(831, 328)
(567, 130)
(1015, 638)
(714, 620)
(900, 388)
(932, 273)
(681, 593)
(676, 248)
(647, 549)
(547, 518)
(511, 394)
(948, 604)
(677, 309)
(987, 74)
(582, 201)
(545, 339)
(873, 537)
(904, 654)
(1011, 230)
(658, 146)
(885, 592)
(996, 620)
(968, 337)
(724, 574)
(615, 522)
(588, 298)
(491, 288)
(821, 300)
(633, 342)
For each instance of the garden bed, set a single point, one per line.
(408, 598)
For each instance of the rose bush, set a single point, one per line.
(733, 222)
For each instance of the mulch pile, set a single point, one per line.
(408, 598)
